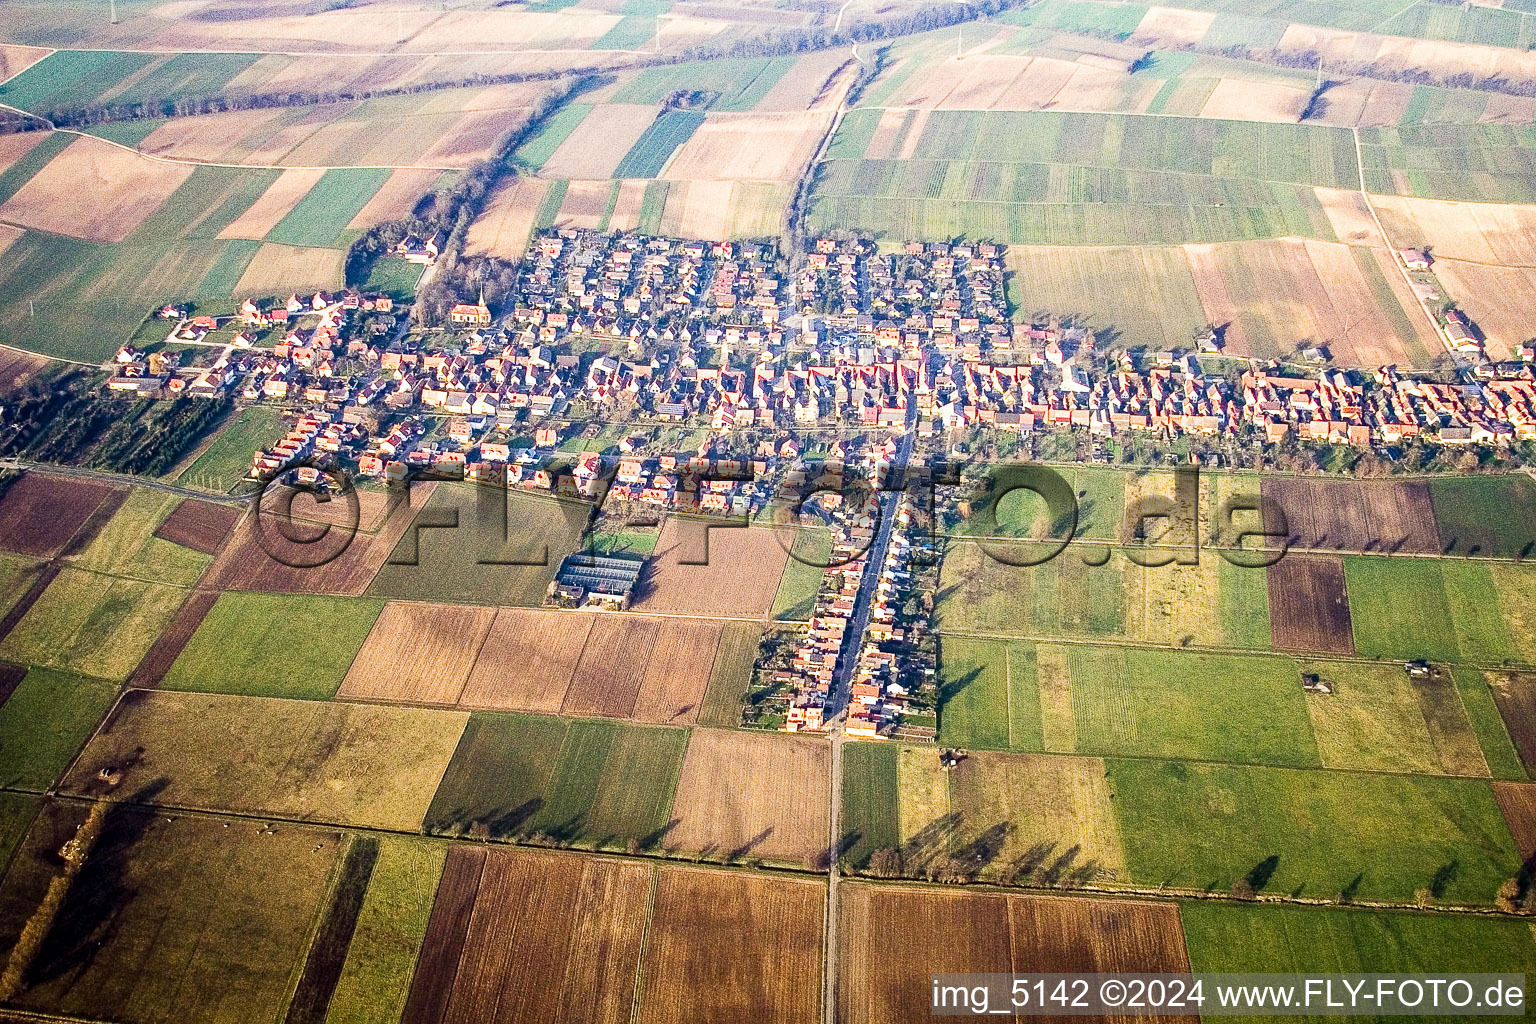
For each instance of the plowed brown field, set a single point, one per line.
(1308, 605)
(754, 795)
(740, 578)
(678, 671)
(527, 660)
(887, 949)
(40, 513)
(420, 653)
(607, 679)
(1348, 515)
(199, 525)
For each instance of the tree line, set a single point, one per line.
(457, 277)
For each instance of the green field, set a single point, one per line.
(1485, 515)
(82, 300)
(323, 214)
(17, 573)
(738, 82)
(810, 551)
(1100, 699)
(16, 812)
(1473, 162)
(1311, 833)
(1439, 609)
(730, 676)
(1488, 725)
(1228, 937)
(1108, 289)
(127, 546)
(1087, 179)
(228, 459)
(555, 130)
(376, 978)
(1378, 719)
(188, 919)
(989, 695)
(351, 764)
(245, 645)
(871, 801)
(184, 75)
(44, 723)
(600, 782)
(487, 558)
(653, 149)
(394, 277)
(96, 625)
(71, 78)
(631, 33)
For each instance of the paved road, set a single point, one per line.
(124, 478)
(838, 695)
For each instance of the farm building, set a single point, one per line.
(595, 581)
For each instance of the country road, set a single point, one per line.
(838, 696)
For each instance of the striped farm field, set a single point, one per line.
(189, 237)
(655, 147)
(1098, 179)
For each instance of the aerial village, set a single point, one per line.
(634, 333)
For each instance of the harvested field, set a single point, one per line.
(1274, 294)
(199, 525)
(886, 955)
(17, 367)
(14, 59)
(16, 145)
(1237, 99)
(584, 205)
(628, 206)
(189, 919)
(1366, 103)
(1106, 288)
(418, 653)
(1341, 515)
(1495, 233)
(353, 764)
(1349, 216)
(517, 935)
(1169, 25)
(245, 565)
(723, 808)
(527, 660)
(504, 227)
(1308, 606)
(678, 672)
(1515, 695)
(95, 191)
(749, 147)
(740, 577)
(772, 927)
(608, 676)
(1498, 299)
(396, 198)
(274, 204)
(1518, 802)
(40, 513)
(600, 141)
(163, 654)
(278, 269)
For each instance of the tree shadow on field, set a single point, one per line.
(651, 840)
(1049, 865)
(951, 688)
(837, 850)
(88, 918)
(462, 821)
(747, 847)
(930, 844)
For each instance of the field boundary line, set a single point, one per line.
(1082, 641)
(1391, 249)
(645, 938)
